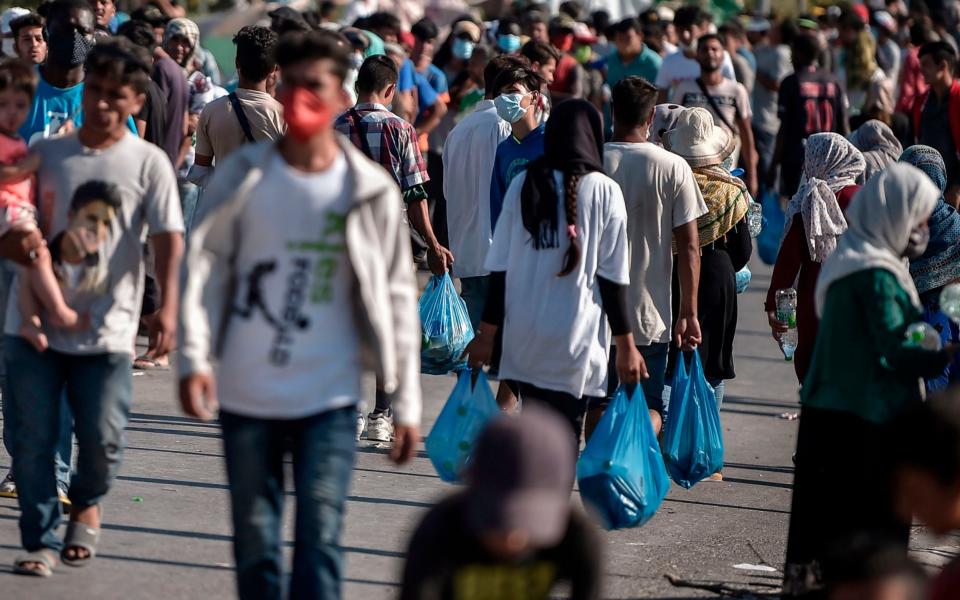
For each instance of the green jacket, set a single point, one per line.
(862, 363)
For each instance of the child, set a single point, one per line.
(18, 82)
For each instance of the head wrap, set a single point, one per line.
(940, 264)
(185, 28)
(879, 146)
(881, 217)
(831, 163)
(573, 143)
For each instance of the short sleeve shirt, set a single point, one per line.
(645, 65)
(109, 288)
(219, 132)
(731, 98)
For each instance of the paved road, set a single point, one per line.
(175, 542)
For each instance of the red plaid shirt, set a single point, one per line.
(387, 139)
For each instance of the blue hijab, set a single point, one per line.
(940, 264)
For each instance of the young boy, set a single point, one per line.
(18, 83)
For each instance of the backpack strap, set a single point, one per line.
(241, 116)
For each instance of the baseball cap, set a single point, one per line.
(468, 27)
(521, 475)
(885, 20)
(582, 34)
(9, 16)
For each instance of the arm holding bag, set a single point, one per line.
(692, 438)
(621, 472)
(468, 409)
(446, 327)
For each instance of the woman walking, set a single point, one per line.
(814, 223)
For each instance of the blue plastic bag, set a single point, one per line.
(692, 438)
(621, 471)
(468, 409)
(743, 278)
(768, 242)
(446, 327)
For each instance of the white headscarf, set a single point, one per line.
(831, 163)
(879, 145)
(882, 215)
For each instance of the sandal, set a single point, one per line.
(81, 536)
(147, 363)
(43, 561)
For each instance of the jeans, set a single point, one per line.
(655, 357)
(99, 389)
(323, 451)
(189, 198)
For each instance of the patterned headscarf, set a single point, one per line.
(940, 264)
(185, 28)
(879, 146)
(831, 163)
(726, 200)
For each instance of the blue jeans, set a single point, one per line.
(189, 198)
(655, 357)
(323, 450)
(99, 388)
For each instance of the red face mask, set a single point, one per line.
(304, 112)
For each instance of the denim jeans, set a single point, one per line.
(323, 450)
(189, 198)
(655, 357)
(99, 388)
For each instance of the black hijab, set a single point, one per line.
(573, 144)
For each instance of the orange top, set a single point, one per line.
(13, 193)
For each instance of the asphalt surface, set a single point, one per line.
(167, 531)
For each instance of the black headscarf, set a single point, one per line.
(573, 144)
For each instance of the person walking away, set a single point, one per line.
(810, 101)
(289, 342)
(663, 203)
(939, 266)
(936, 114)
(773, 65)
(107, 188)
(250, 114)
(512, 528)
(725, 243)
(879, 145)
(815, 221)
(554, 285)
(690, 23)
(728, 102)
(863, 376)
(733, 36)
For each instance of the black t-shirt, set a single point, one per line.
(154, 112)
(446, 561)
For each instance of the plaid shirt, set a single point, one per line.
(390, 141)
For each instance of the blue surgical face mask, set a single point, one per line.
(462, 49)
(509, 108)
(508, 42)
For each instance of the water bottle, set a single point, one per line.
(755, 218)
(923, 335)
(787, 313)
(950, 301)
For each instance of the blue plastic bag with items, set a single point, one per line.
(468, 409)
(768, 242)
(621, 471)
(743, 278)
(692, 438)
(445, 325)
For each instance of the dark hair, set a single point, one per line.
(18, 75)
(687, 16)
(866, 557)
(625, 25)
(140, 33)
(120, 59)
(920, 34)
(255, 52)
(600, 19)
(532, 16)
(376, 73)
(499, 65)
(634, 99)
(940, 52)
(425, 29)
(383, 20)
(805, 50)
(539, 52)
(523, 75)
(789, 31)
(299, 46)
(707, 37)
(49, 10)
(731, 29)
(327, 8)
(93, 190)
(148, 13)
(932, 437)
(572, 9)
(851, 20)
(27, 21)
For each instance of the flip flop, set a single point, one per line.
(81, 535)
(45, 558)
(145, 363)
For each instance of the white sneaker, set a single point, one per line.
(8, 487)
(361, 424)
(380, 427)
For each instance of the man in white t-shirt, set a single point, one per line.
(728, 102)
(663, 203)
(690, 24)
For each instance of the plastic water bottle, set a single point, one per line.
(787, 313)
(923, 335)
(950, 301)
(755, 218)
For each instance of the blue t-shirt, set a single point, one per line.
(405, 79)
(646, 65)
(51, 107)
(511, 160)
(427, 95)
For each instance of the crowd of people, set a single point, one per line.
(589, 183)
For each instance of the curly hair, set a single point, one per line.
(255, 52)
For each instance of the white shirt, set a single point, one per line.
(468, 157)
(661, 195)
(555, 333)
(291, 348)
(677, 67)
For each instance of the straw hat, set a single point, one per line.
(698, 139)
